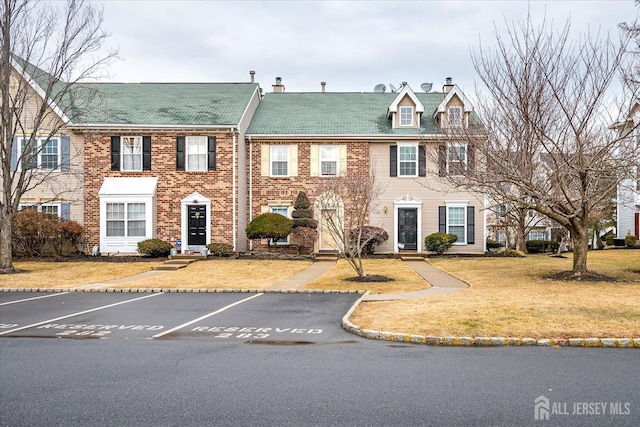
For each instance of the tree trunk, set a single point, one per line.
(6, 259)
(580, 242)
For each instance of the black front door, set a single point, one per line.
(408, 228)
(197, 225)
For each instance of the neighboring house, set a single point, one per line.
(507, 224)
(296, 140)
(54, 165)
(166, 161)
(628, 194)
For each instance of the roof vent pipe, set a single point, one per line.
(252, 74)
(323, 84)
(278, 80)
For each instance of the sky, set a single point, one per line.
(350, 45)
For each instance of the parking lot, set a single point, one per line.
(250, 317)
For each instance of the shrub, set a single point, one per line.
(302, 213)
(154, 248)
(269, 226)
(630, 241)
(609, 239)
(539, 246)
(305, 238)
(492, 244)
(220, 249)
(69, 237)
(371, 237)
(511, 253)
(439, 242)
(32, 230)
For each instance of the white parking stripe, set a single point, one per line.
(31, 299)
(78, 314)
(205, 316)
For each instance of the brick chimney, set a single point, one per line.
(278, 87)
(448, 85)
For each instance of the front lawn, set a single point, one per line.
(512, 297)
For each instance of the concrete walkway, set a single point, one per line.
(306, 276)
(441, 283)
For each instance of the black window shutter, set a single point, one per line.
(442, 159)
(393, 160)
(442, 219)
(115, 153)
(211, 153)
(422, 161)
(146, 153)
(471, 229)
(180, 153)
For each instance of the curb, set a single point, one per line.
(481, 341)
(182, 290)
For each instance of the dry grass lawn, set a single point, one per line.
(224, 274)
(405, 279)
(68, 274)
(510, 297)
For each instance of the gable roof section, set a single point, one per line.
(455, 91)
(169, 104)
(406, 91)
(39, 80)
(336, 113)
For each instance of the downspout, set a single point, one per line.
(233, 191)
(250, 187)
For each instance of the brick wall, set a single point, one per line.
(173, 185)
(267, 189)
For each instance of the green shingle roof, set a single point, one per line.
(169, 103)
(336, 113)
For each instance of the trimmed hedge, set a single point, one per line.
(220, 249)
(439, 242)
(630, 241)
(154, 248)
(269, 226)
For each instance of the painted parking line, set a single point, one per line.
(184, 325)
(34, 298)
(33, 325)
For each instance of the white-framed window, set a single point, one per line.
(125, 219)
(457, 222)
(131, 153)
(46, 152)
(537, 235)
(51, 209)
(279, 158)
(196, 153)
(408, 160)
(457, 158)
(329, 159)
(406, 116)
(284, 211)
(454, 116)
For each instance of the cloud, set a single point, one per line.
(352, 45)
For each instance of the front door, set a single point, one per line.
(197, 225)
(408, 228)
(327, 241)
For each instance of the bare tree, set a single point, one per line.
(547, 119)
(516, 221)
(345, 203)
(47, 50)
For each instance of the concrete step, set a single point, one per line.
(169, 267)
(180, 261)
(326, 257)
(412, 256)
(193, 257)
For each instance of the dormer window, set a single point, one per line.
(454, 116)
(406, 116)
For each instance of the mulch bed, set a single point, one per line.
(584, 277)
(369, 278)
